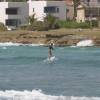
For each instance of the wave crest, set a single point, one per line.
(18, 44)
(37, 95)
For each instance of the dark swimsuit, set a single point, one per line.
(51, 46)
(50, 50)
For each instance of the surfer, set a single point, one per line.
(50, 50)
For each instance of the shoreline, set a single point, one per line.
(60, 37)
(8, 44)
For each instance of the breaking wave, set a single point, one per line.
(85, 43)
(18, 44)
(37, 95)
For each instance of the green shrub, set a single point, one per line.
(39, 26)
(2, 27)
(73, 24)
(51, 22)
(94, 23)
(83, 25)
(30, 28)
(23, 27)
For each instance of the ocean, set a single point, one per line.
(26, 74)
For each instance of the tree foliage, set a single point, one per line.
(2, 27)
(31, 19)
(50, 20)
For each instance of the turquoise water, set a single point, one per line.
(75, 72)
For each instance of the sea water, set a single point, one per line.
(74, 75)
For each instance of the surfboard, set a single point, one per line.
(51, 59)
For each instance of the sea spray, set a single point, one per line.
(37, 95)
(85, 43)
(18, 44)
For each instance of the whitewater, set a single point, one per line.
(74, 75)
(38, 95)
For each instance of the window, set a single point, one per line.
(51, 9)
(92, 12)
(11, 11)
(57, 10)
(12, 22)
(67, 10)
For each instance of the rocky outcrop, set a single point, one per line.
(59, 37)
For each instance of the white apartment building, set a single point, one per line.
(42, 8)
(16, 13)
(13, 13)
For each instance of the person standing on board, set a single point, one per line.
(50, 50)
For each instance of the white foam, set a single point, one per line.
(9, 44)
(37, 95)
(35, 44)
(84, 43)
(52, 59)
(73, 46)
(18, 44)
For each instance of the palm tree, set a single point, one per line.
(31, 19)
(50, 20)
